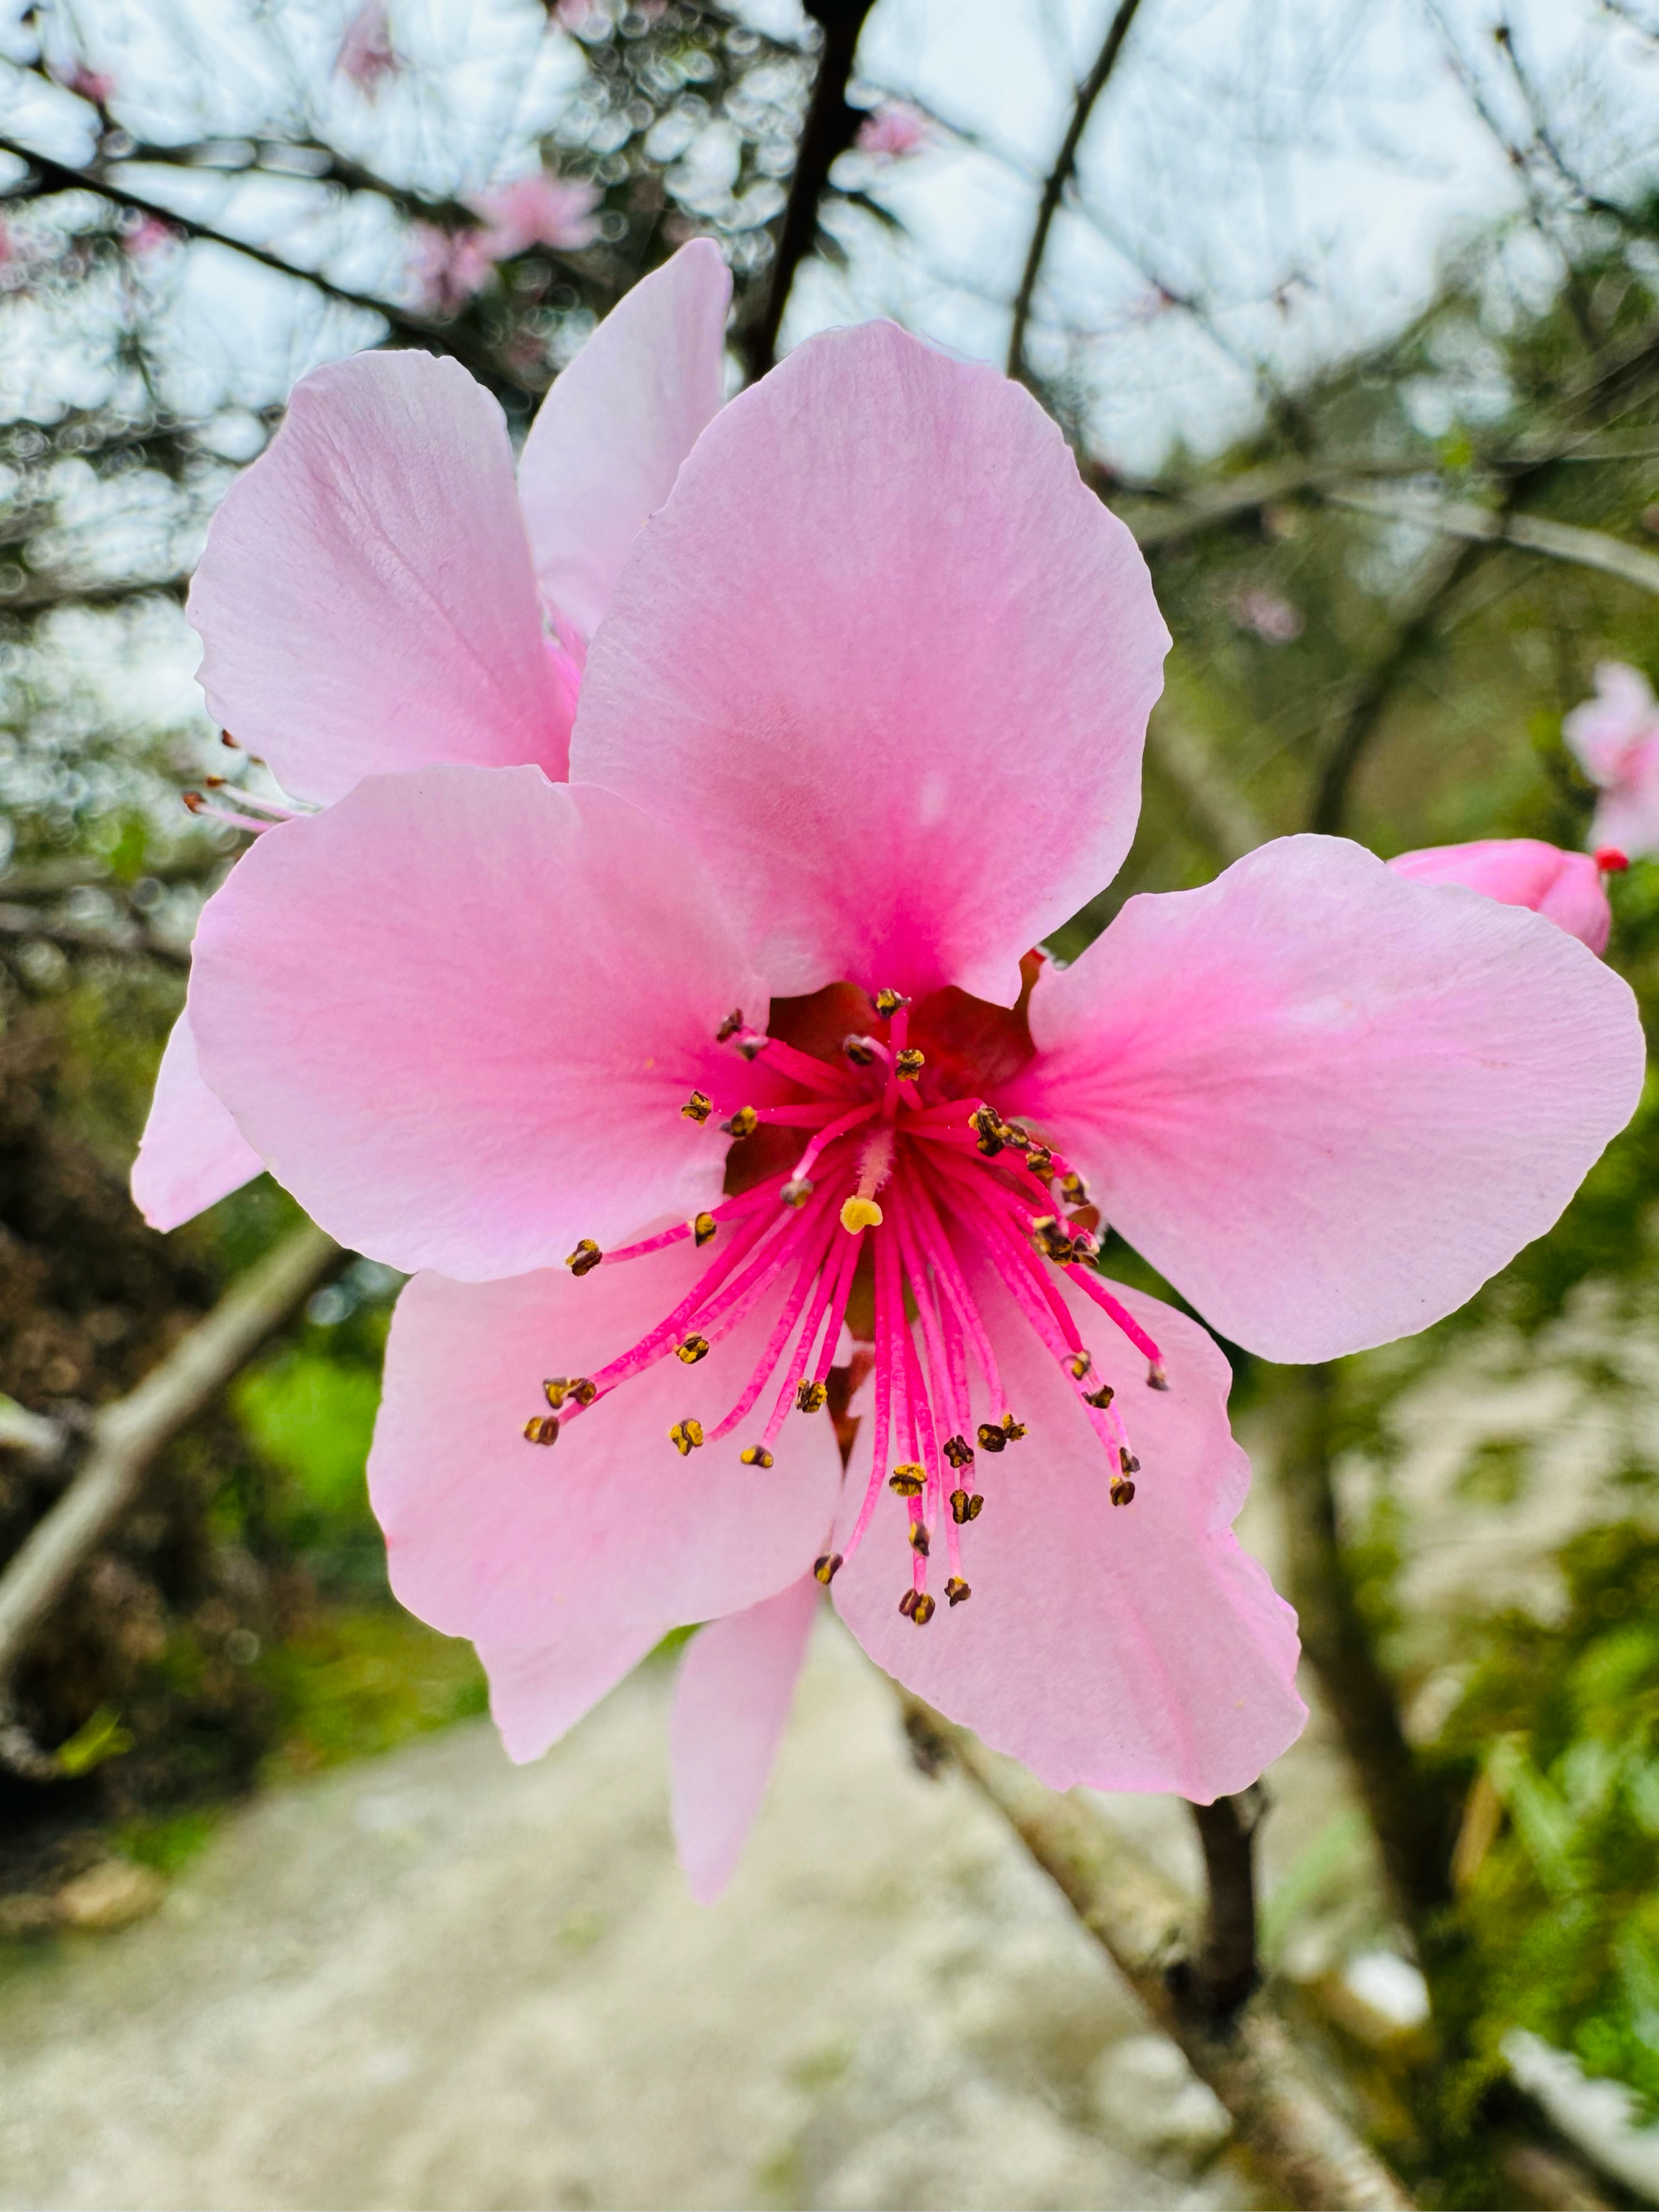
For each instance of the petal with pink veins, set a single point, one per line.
(570, 1549)
(458, 1015)
(537, 1692)
(731, 1704)
(892, 663)
(366, 601)
(192, 1153)
(607, 444)
(1564, 887)
(1327, 1102)
(1121, 1648)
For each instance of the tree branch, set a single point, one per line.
(1055, 184)
(1225, 1970)
(1141, 1920)
(124, 1437)
(828, 132)
(1531, 533)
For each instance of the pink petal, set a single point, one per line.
(366, 600)
(731, 1707)
(1628, 814)
(192, 1153)
(1329, 1103)
(1608, 727)
(608, 1534)
(1564, 887)
(1131, 1648)
(458, 1015)
(604, 450)
(892, 663)
(539, 1693)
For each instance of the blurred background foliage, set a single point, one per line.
(1348, 657)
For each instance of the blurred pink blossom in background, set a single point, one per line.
(1615, 736)
(1567, 888)
(545, 209)
(892, 131)
(1272, 617)
(96, 85)
(149, 235)
(366, 54)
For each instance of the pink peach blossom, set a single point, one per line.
(367, 55)
(1565, 887)
(97, 86)
(1615, 736)
(892, 131)
(376, 594)
(545, 209)
(741, 1026)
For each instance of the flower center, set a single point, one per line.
(870, 1180)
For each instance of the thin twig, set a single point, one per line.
(1142, 1921)
(1225, 1972)
(125, 1437)
(1055, 184)
(1531, 533)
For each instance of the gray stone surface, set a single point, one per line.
(436, 1979)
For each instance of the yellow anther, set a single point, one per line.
(907, 1480)
(910, 1064)
(919, 1538)
(556, 1390)
(704, 1228)
(860, 1050)
(694, 1349)
(825, 1568)
(810, 1397)
(586, 1257)
(796, 1192)
(1123, 1491)
(889, 1002)
(1012, 1429)
(858, 1213)
(1103, 1397)
(965, 1508)
(755, 1455)
(958, 1451)
(956, 1590)
(542, 1429)
(1080, 1363)
(991, 1438)
(685, 1437)
(698, 1107)
(1127, 1460)
(742, 1123)
(1074, 1189)
(924, 1610)
(583, 1391)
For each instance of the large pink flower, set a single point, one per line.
(1616, 737)
(1569, 888)
(377, 593)
(714, 1093)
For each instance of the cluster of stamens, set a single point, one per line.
(895, 1182)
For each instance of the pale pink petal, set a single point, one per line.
(1125, 1648)
(1607, 727)
(892, 663)
(366, 601)
(457, 1015)
(1329, 1103)
(1564, 887)
(192, 1153)
(731, 1707)
(604, 449)
(538, 1693)
(571, 1548)
(1627, 816)
(544, 209)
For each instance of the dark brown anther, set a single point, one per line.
(755, 1455)
(234, 743)
(193, 801)
(1081, 1363)
(694, 1349)
(809, 1396)
(907, 1480)
(1127, 1460)
(1084, 1244)
(796, 1192)
(957, 1591)
(742, 1123)
(685, 1437)
(889, 1002)
(860, 1050)
(958, 1451)
(586, 1257)
(1017, 1135)
(1012, 1429)
(908, 1602)
(1103, 1397)
(703, 1229)
(751, 1048)
(1123, 1491)
(964, 1508)
(919, 1538)
(991, 1438)
(542, 1429)
(729, 1028)
(1074, 1189)
(827, 1568)
(1053, 1239)
(923, 1610)
(556, 1390)
(1040, 1162)
(910, 1064)
(1156, 1378)
(215, 782)
(987, 1128)
(582, 1391)
(698, 1107)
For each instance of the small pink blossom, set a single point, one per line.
(97, 86)
(1567, 888)
(666, 1082)
(1615, 736)
(450, 267)
(149, 235)
(367, 55)
(1269, 613)
(544, 209)
(892, 131)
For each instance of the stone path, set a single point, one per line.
(438, 1980)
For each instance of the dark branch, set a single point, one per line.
(1061, 175)
(1224, 1971)
(828, 132)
